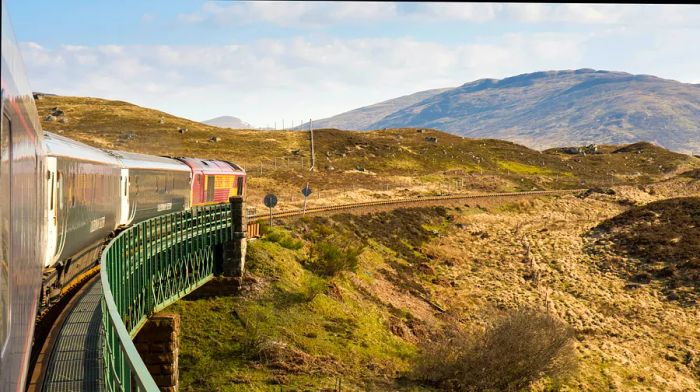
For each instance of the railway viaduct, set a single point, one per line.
(148, 267)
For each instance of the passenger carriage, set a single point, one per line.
(150, 186)
(82, 208)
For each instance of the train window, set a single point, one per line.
(5, 219)
(52, 185)
(59, 189)
(73, 188)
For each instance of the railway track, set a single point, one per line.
(406, 202)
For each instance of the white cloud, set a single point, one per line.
(297, 78)
(290, 14)
(319, 14)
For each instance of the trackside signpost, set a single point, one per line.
(306, 191)
(270, 201)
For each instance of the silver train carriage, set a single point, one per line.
(82, 209)
(22, 200)
(151, 186)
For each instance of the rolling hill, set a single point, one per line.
(358, 166)
(548, 109)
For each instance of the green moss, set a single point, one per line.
(521, 168)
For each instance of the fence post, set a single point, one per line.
(234, 250)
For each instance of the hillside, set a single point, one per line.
(556, 108)
(363, 300)
(356, 166)
(364, 117)
(228, 122)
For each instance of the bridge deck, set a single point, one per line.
(75, 363)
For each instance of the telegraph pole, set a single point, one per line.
(313, 153)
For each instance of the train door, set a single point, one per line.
(52, 204)
(239, 186)
(197, 189)
(124, 197)
(211, 188)
(5, 232)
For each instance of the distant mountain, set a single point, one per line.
(548, 109)
(364, 117)
(228, 122)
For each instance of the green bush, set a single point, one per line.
(284, 239)
(328, 258)
(274, 236)
(515, 351)
(291, 243)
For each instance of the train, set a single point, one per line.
(92, 193)
(61, 201)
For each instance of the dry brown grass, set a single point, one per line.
(660, 241)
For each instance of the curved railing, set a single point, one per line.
(146, 268)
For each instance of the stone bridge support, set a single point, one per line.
(158, 344)
(235, 250)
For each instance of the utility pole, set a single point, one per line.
(313, 153)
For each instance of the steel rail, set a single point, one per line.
(406, 201)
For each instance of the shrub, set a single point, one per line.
(291, 243)
(256, 331)
(516, 350)
(328, 258)
(284, 239)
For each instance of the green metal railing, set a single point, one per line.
(146, 268)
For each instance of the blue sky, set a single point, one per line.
(265, 62)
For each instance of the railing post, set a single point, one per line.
(234, 248)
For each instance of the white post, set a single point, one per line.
(313, 153)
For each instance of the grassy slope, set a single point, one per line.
(397, 162)
(294, 327)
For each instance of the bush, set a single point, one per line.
(284, 239)
(328, 258)
(291, 243)
(518, 349)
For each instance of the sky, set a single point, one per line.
(268, 62)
